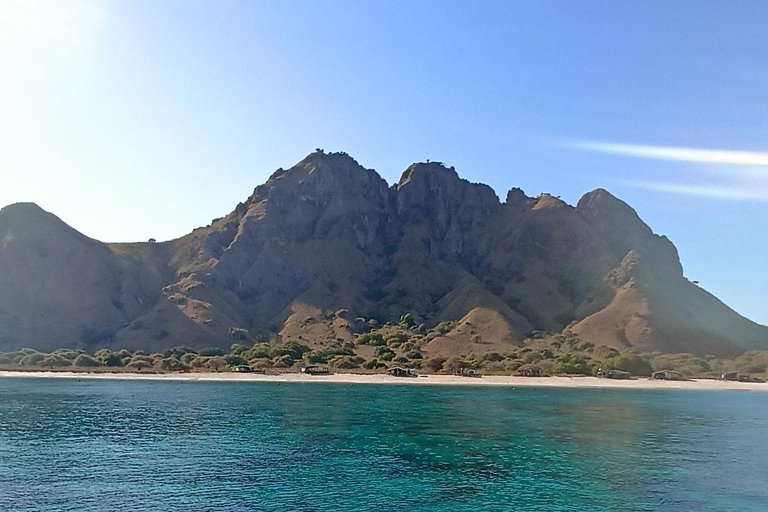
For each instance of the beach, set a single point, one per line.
(421, 380)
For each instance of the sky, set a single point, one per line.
(142, 119)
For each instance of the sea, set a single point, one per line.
(68, 445)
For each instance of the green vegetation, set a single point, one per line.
(381, 343)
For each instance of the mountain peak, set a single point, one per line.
(431, 171)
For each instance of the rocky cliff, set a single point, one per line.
(328, 234)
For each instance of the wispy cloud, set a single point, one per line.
(714, 192)
(745, 172)
(703, 156)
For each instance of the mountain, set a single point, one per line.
(329, 235)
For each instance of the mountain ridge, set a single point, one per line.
(329, 234)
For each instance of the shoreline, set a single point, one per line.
(422, 380)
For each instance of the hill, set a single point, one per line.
(329, 235)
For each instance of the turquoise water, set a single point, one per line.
(113, 446)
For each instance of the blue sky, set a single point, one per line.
(143, 119)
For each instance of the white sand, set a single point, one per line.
(424, 380)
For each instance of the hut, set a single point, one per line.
(242, 368)
(667, 375)
(466, 372)
(314, 369)
(614, 374)
(530, 370)
(402, 372)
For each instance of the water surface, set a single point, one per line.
(141, 446)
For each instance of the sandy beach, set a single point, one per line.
(422, 380)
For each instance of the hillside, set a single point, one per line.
(328, 234)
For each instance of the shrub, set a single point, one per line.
(234, 360)
(215, 363)
(138, 365)
(342, 313)
(371, 338)
(86, 361)
(179, 351)
(211, 351)
(322, 356)
(396, 338)
(4, 359)
(236, 333)
(373, 364)
(237, 349)
(55, 360)
(629, 362)
(347, 362)
(435, 364)
(171, 364)
(32, 359)
(112, 359)
(573, 364)
(293, 349)
(385, 355)
(407, 320)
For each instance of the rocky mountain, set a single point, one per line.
(328, 235)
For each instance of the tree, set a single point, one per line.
(629, 362)
(407, 320)
(112, 359)
(573, 364)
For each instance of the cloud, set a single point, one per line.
(703, 156)
(743, 175)
(739, 193)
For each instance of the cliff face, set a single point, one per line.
(329, 234)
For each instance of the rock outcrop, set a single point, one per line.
(328, 234)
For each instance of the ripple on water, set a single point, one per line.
(141, 446)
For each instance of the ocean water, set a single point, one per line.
(135, 446)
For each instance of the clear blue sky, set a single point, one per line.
(139, 119)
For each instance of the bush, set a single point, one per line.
(4, 359)
(396, 338)
(435, 364)
(179, 351)
(112, 359)
(238, 334)
(386, 356)
(407, 320)
(55, 360)
(373, 364)
(629, 362)
(573, 365)
(293, 349)
(32, 359)
(322, 356)
(85, 361)
(138, 365)
(211, 352)
(234, 360)
(370, 339)
(237, 349)
(171, 364)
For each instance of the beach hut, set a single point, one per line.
(614, 374)
(466, 372)
(402, 372)
(730, 376)
(667, 375)
(242, 368)
(314, 369)
(530, 370)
